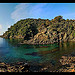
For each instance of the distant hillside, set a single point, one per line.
(42, 31)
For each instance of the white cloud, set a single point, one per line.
(1, 30)
(0, 26)
(8, 27)
(27, 10)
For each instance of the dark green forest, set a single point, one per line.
(42, 31)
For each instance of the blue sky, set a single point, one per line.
(10, 13)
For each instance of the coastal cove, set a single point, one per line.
(42, 55)
(37, 37)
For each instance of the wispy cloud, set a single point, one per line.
(1, 29)
(0, 26)
(27, 10)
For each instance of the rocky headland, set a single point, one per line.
(42, 31)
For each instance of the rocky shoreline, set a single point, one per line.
(68, 63)
(14, 67)
(21, 67)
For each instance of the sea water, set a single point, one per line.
(11, 51)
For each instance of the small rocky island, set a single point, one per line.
(42, 31)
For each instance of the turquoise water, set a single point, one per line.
(10, 51)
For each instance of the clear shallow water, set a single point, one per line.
(10, 52)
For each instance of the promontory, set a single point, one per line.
(42, 31)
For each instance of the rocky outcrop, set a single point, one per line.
(14, 67)
(47, 37)
(68, 64)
